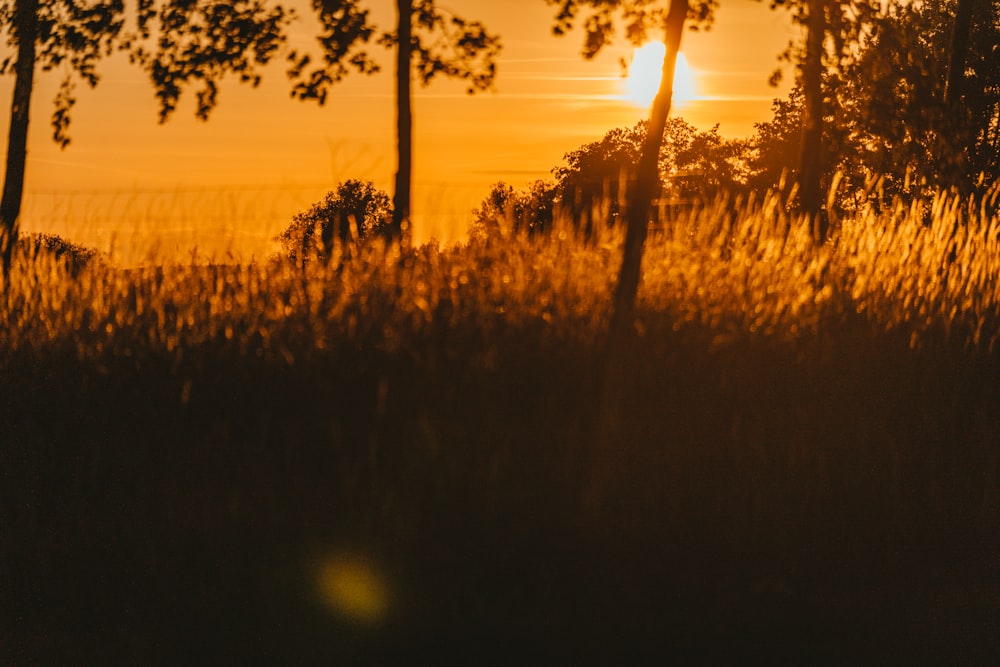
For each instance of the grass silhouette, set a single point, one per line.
(213, 462)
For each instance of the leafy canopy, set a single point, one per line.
(72, 35)
(183, 43)
(177, 43)
(601, 18)
(442, 44)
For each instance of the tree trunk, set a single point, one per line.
(605, 464)
(959, 50)
(26, 30)
(955, 169)
(811, 161)
(404, 121)
(647, 180)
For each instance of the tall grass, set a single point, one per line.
(808, 466)
(755, 271)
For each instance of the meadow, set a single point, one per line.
(389, 456)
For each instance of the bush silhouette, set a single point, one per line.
(531, 210)
(74, 256)
(354, 211)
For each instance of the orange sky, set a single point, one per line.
(237, 179)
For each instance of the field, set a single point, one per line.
(391, 456)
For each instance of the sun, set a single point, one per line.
(643, 78)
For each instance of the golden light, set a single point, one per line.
(643, 80)
(353, 587)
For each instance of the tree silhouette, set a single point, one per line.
(972, 92)
(955, 85)
(23, 26)
(693, 166)
(811, 161)
(47, 34)
(776, 145)
(835, 31)
(404, 117)
(699, 166)
(201, 42)
(893, 117)
(591, 182)
(428, 41)
(639, 17)
(590, 188)
(959, 49)
(193, 41)
(346, 31)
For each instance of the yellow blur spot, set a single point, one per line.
(352, 587)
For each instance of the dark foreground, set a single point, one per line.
(835, 502)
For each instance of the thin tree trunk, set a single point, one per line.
(26, 30)
(811, 161)
(647, 179)
(404, 121)
(606, 458)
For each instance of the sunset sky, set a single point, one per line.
(263, 156)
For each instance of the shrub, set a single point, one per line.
(356, 210)
(33, 246)
(531, 210)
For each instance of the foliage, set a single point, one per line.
(847, 23)
(600, 27)
(776, 146)
(532, 210)
(443, 45)
(774, 152)
(881, 142)
(598, 174)
(638, 16)
(698, 166)
(832, 36)
(428, 39)
(450, 46)
(695, 167)
(345, 32)
(73, 37)
(894, 99)
(198, 442)
(354, 211)
(888, 131)
(183, 42)
(35, 246)
(177, 42)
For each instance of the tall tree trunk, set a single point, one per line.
(404, 120)
(26, 30)
(647, 179)
(811, 160)
(606, 458)
(959, 50)
(955, 171)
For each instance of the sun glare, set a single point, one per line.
(643, 78)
